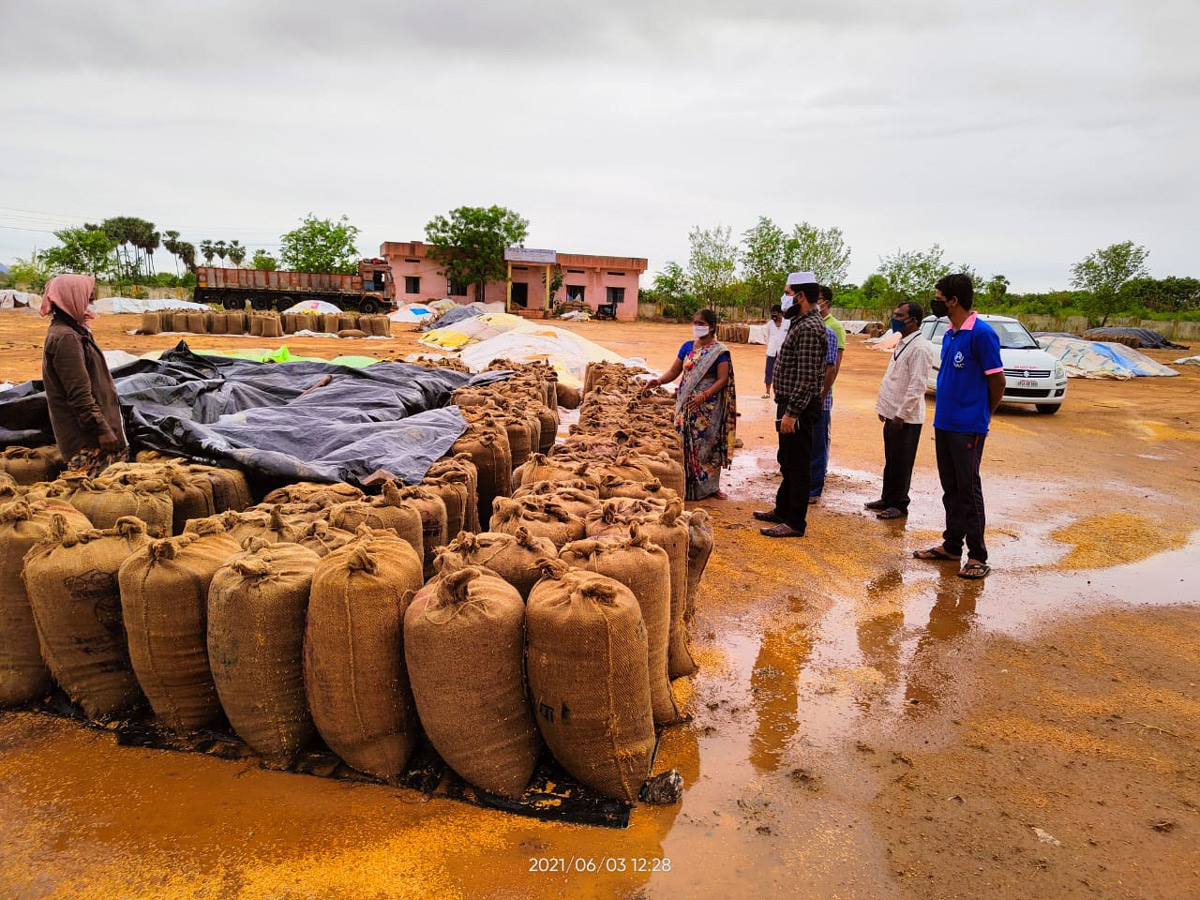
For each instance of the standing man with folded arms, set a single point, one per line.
(901, 409)
(970, 385)
(799, 379)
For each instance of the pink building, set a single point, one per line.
(597, 281)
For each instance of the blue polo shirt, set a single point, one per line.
(969, 355)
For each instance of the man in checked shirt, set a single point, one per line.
(799, 381)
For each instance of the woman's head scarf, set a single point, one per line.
(71, 294)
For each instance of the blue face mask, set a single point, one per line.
(898, 324)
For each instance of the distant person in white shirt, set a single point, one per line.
(777, 328)
(901, 409)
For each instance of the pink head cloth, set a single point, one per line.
(71, 294)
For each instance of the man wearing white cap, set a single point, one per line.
(799, 379)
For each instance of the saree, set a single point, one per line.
(709, 431)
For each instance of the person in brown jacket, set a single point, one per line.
(80, 392)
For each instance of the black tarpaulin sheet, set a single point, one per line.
(301, 421)
(1146, 337)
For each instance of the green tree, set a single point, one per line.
(997, 288)
(822, 251)
(672, 292)
(1104, 272)
(221, 249)
(187, 253)
(469, 244)
(31, 273)
(764, 263)
(320, 245)
(1167, 295)
(263, 261)
(712, 266)
(912, 274)
(135, 240)
(875, 291)
(208, 249)
(171, 245)
(84, 251)
(237, 253)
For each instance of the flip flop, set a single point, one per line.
(935, 554)
(891, 513)
(974, 571)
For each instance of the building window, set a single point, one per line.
(412, 284)
(616, 295)
(456, 290)
(412, 261)
(617, 274)
(576, 272)
(574, 293)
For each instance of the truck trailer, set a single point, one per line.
(370, 291)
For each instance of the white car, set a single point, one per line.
(1031, 375)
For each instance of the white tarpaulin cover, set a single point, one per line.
(885, 342)
(758, 334)
(412, 313)
(315, 306)
(107, 306)
(10, 299)
(1188, 361)
(568, 353)
(1100, 359)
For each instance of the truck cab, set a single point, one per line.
(378, 286)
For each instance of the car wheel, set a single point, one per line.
(1049, 409)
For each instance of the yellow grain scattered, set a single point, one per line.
(1015, 728)
(1114, 539)
(1161, 431)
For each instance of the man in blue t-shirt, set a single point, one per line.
(970, 385)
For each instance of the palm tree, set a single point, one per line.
(222, 250)
(237, 253)
(207, 249)
(171, 245)
(187, 252)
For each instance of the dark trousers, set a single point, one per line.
(795, 459)
(899, 455)
(822, 437)
(958, 459)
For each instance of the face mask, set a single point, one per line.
(898, 324)
(700, 331)
(787, 302)
(939, 308)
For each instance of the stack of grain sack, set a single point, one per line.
(530, 593)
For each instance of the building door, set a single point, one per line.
(520, 294)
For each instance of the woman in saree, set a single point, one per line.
(705, 406)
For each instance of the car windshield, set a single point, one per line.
(1013, 336)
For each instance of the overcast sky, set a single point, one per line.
(1018, 135)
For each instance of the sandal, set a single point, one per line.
(935, 554)
(875, 504)
(720, 495)
(891, 513)
(771, 516)
(974, 571)
(783, 530)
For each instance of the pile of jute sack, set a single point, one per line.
(266, 324)
(369, 620)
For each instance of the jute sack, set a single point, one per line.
(9, 489)
(257, 604)
(453, 490)
(196, 323)
(548, 420)
(347, 321)
(314, 492)
(389, 511)
(191, 495)
(461, 465)
(700, 548)
(272, 327)
(269, 525)
(645, 569)
(615, 486)
(354, 671)
(664, 525)
(256, 324)
(464, 643)
(229, 487)
(164, 601)
(218, 322)
(541, 518)
(352, 333)
(23, 675)
(567, 397)
(574, 495)
(71, 578)
(105, 502)
(434, 521)
(487, 446)
(588, 681)
(320, 537)
(31, 465)
(623, 469)
(151, 323)
(513, 557)
(546, 468)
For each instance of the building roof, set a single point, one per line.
(420, 250)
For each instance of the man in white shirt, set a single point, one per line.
(901, 409)
(777, 327)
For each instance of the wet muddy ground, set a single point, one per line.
(864, 725)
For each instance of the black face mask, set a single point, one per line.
(792, 311)
(939, 308)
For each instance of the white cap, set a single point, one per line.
(802, 278)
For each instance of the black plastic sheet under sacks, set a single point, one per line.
(300, 421)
